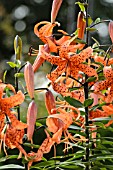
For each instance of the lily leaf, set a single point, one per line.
(73, 102)
(11, 166)
(88, 102)
(19, 75)
(91, 79)
(81, 5)
(91, 29)
(97, 20)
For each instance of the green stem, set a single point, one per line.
(86, 90)
(16, 86)
(36, 89)
(16, 89)
(102, 21)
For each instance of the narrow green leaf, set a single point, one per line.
(70, 167)
(91, 29)
(19, 75)
(100, 124)
(45, 163)
(102, 119)
(39, 124)
(73, 102)
(76, 32)
(88, 102)
(95, 107)
(12, 64)
(78, 40)
(7, 90)
(97, 20)
(3, 159)
(96, 42)
(18, 63)
(11, 166)
(75, 127)
(74, 88)
(107, 142)
(4, 76)
(75, 145)
(81, 5)
(91, 79)
(90, 21)
(31, 145)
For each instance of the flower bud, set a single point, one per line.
(31, 119)
(81, 24)
(29, 79)
(55, 8)
(50, 101)
(18, 47)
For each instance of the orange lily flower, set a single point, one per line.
(14, 129)
(71, 64)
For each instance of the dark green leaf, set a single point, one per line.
(78, 40)
(71, 167)
(100, 124)
(88, 102)
(74, 88)
(91, 79)
(45, 163)
(98, 63)
(73, 102)
(31, 145)
(95, 107)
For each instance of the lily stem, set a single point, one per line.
(86, 90)
(16, 89)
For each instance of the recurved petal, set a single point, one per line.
(15, 122)
(51, 125)
(108, 72)
(12, 101)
